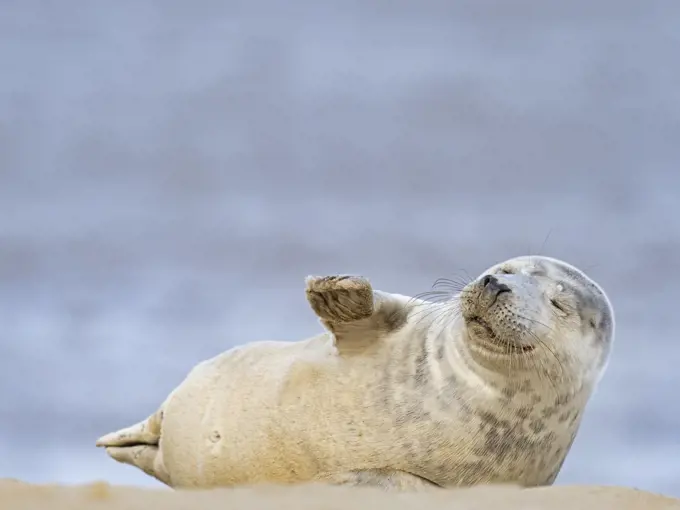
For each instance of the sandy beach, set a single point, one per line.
(15, 495)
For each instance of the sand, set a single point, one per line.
(15, 495)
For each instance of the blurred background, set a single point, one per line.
(170, 169)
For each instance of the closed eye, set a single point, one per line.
(505, 271)
(557, 305)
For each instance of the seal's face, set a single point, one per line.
(538, 305)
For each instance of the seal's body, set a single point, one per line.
(487, 387)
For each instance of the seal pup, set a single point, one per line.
(488, 386)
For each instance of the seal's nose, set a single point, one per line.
(492, 286)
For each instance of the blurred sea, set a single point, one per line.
(168, 168)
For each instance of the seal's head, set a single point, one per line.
(539, 309)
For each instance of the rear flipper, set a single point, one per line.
(148, 458)
(145, 432)
(137, 445)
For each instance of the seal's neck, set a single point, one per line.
(503, 374)
(468, 357)
(482, 369)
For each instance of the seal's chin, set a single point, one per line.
(486, 336)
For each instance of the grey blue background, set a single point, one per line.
(171, 171)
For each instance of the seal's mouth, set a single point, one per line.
(505, 347)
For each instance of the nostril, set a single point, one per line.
(487, 280)
(490, 284)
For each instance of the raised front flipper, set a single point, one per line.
(356, 314)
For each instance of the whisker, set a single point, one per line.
(433, 294)
(545, 241)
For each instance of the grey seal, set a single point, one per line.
(486, 386)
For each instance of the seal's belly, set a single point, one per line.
(269, 413)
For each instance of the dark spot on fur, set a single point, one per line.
(488, 418)
(542, 463)
(564, 416)
(549, 412)
(452, 382)
(560, 456)
(493, 441)
(421, 376)
(574, 418)
(492, 384)
(523, 412)
(537, 426)
(562, 399)
(393, 320)
(590, 302)
(525, 386)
